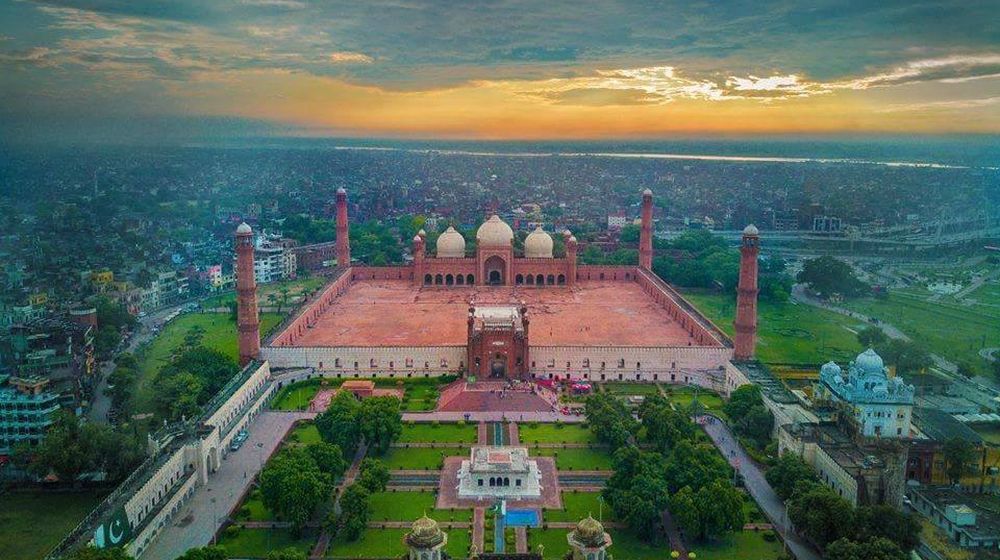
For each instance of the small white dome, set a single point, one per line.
(495, 233)
(572, 239)
(870, 362)
(451, 244)
(538, 245)
(243, 229)
(647, 192)
(341, 190)
(417, 238)
(422, 233)
(751, 230)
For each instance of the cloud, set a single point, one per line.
(347, 57)
(949, 105)
(950, 69)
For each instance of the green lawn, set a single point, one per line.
(420, 458)
(741, 546)
(745, 545)
(304, 432)
(952, 330)
(631, 388)
(427, 432)
(578, 505)
(298, 395)
(256, 543)
(383, 543)
(788, 333)
(294, 289)
(683, 395)
(32, 523)
(534, 432)
(255, 506)
(219, 334)
(410, 506)
(576, 459)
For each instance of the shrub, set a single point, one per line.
(231, 531)
(769, 536)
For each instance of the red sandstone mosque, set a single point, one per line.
(497, 314)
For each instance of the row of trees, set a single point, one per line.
(192, 376)
(700, 259)
(841, 531)
(829, 276)
(681, 473)
(749, 417)
(355, 502)
(299, 479)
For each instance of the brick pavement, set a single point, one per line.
(478, 527)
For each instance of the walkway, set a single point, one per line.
(478, 528)
(544, 417)
(323, 543)
(758, 487)
(198, 520)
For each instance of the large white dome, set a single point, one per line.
(538, 245)
(495, 233)
(451, 244)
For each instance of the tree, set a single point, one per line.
(329, 458)
(827, 276)
(958, 453)
(91, 553)
(381, 422)
(695, 466)
(873, 549)
(638, 491)
(205, 553)
(354, 512)
(907, 356)
(821, 515)
(742, 400)
(292, 485)
(176, 394)
(630, 233)
(756, 424)
(338, 424)
(610, 420)
(787, 472)
(374, 475)
(872, 337)
(665, 427)
(882, 521)
(106, 340)
(71, 449)
(709, 513)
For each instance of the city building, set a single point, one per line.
(57, 348)
(26, 410)
(971, 520)
(167, 288)
(880, 405)
(618, 220)
(273, 262)
(828, 224)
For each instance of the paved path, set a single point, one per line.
(759, 488)
(323, 542)
(198, 520)
(673, 534)
(478, 528)
(492, 417)
(520, 540)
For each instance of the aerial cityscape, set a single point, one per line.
(290, 280)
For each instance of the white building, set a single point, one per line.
(617, 221)
(881, 406)
(272, 262)
(499, 472)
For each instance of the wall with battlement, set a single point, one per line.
(371, 361)
(310, 311)
(697, 365)
(681, 311)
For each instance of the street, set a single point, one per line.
(758, 487)
(197, 521)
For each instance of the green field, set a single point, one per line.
(628, 389)
(788, 333)
(256, 508)
(294, 289)
(304, 432)
(951, 330)
(419, 394)
(410, 506)
(745, 545)
(386, 543)
(535, 432)
(32, 523)
(420, 458)
(578, 505)
(256, 543)
(298, 395)
(426, 432)
(682, 396)
(219, 334)
(576, 458)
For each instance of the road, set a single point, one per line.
(759, 488)
(197, 521)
